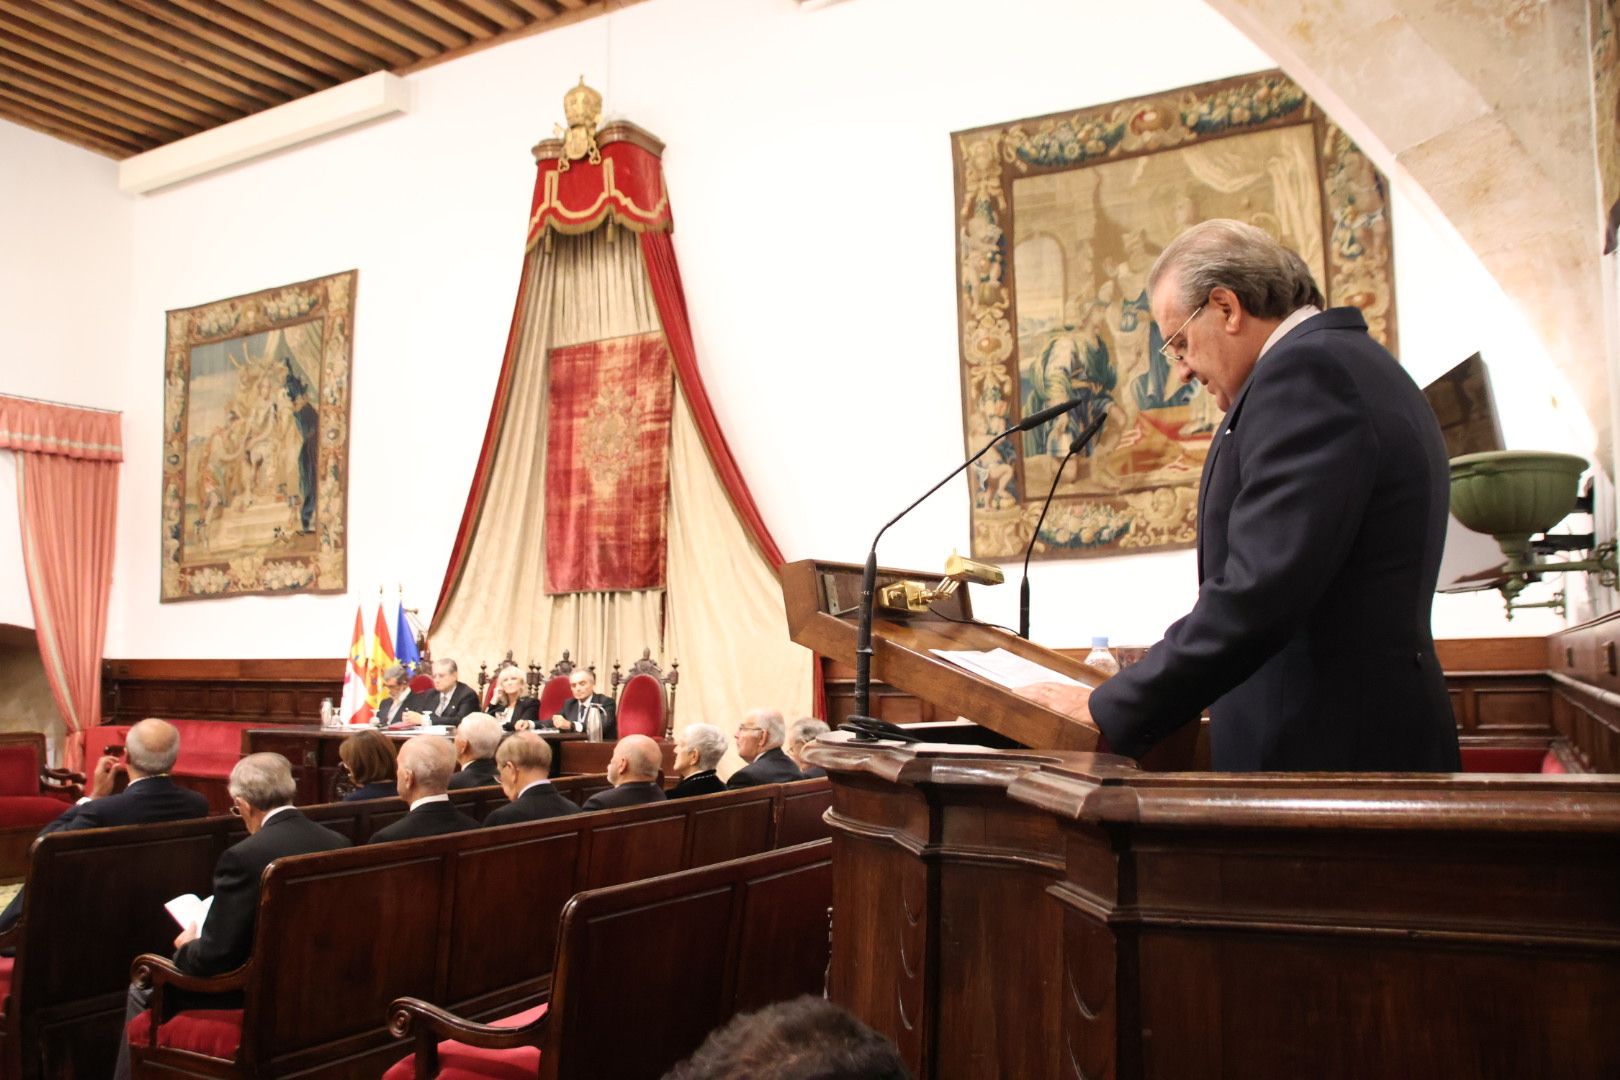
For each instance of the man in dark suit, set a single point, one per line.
(799, 736)
(448, 701)
(582, 684)
(262, 789)
(524, 763)
(633, 772)
(476, 739)
(1322, 513)
(759, 742)
(425, 764)
(150, 750)
(698, 749)
(397, 682)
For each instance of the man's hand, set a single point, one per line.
(1072, 701)
(187, 935)
(560, 724)
(101, 781)
(523, 725)
(412, 717)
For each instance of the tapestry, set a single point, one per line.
(256, 442)
(1059, 219)
(607, 464)
(1605, 17)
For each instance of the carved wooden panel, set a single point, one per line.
(254, 692)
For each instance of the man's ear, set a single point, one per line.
(1230, 310)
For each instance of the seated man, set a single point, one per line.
(633, 772)
(448, 702)
(759, 741)
(476, 739)
(582, 684)
(150, 750)
(800, 735)
(524, 763)
(698, 749)
(262, 788)
(397, 682)
(425, 764)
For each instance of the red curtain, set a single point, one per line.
(67, 504)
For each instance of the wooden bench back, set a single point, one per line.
(674, 957)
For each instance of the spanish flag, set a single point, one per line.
(356, 707)
(382, 658)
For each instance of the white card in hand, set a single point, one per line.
(189, 910)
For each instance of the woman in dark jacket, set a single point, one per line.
(510, 703)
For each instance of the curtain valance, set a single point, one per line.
(627, 187)
(43, 427)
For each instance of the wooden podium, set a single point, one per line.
(1055, 913)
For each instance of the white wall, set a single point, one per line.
(810, 174)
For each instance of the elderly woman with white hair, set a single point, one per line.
(698, 749)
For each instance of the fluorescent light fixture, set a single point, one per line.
(346, 105)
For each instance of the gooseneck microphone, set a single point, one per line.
(860, 721)
(1075, 447)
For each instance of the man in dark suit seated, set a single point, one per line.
(447, 703)
(800, 735)
(425, 764)
(759, 742)
(150, 750)
(1321, 518)
(524, 763)
(582, 684)
(396, 681)
(262, 789)
(633, 772)
(698, 749)
(476, 739)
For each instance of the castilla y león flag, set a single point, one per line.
(607, 465)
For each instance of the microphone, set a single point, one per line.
(865, 726)
(1074, 448)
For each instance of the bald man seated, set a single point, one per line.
(150, 750)
(423, 780)
(633, 772)
(523, 763)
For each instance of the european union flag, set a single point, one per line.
(405, 650)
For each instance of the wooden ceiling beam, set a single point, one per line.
(537, 9)
(338, 28)
(132, 57)
(501, 14)
(410, 13)
(255, 31)
(227, 42)
(276, 19)
(585, 11)
(85, 82)
(478, 29)
(19, 114)
(385, 27)
(22, 31)
(576, 5)
(119, 114)
(71, 116)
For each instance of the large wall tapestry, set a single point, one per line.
(1606, 93)
(1058, 220)
(256, 442)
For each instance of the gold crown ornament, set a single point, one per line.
(582, 106)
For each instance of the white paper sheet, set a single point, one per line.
(189, 910)
(1004, 668)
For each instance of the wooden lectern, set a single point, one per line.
(1049, 912)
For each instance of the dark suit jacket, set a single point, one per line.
(463, 702)
(610, 722)
(526, 708)
(434, 819)
(227, 934)
(707, 782)
(479, 773)
(1321, 517)
(388, 715)
(539, 802)
(771, 767)
(642, 791)
(377, 789)
(812, 772)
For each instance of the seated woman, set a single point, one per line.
(368, 757)
(510, 704)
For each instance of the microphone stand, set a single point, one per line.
(1074, 448)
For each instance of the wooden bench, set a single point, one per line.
(461, 919)
(645, 970)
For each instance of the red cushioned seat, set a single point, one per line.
(214, 1032)
(641, 707)
(458, 1061)
(29, 810)
(1506, 759)
(6, 964)
(19, 771)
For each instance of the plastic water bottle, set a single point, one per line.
(1101, 657)
(327, 716)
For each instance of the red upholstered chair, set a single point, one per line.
(1512, 759)
(30, 796)
(553, 696)
(642, 707)
(421, 683)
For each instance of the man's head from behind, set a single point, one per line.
(425, 765)
(761, 730)
(150, 748)
(445, 675)
(258, 784)
(803, 1039)
(476, 737)
(520, 760)
(1217, 292)
(636, 759)
(802, 734)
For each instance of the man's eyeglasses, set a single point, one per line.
(749, 730)
(1167, 350)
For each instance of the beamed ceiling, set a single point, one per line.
(123, 76)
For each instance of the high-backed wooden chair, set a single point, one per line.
(646, 705)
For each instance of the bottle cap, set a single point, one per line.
(1099, 642)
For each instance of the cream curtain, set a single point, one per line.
(725, 621)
